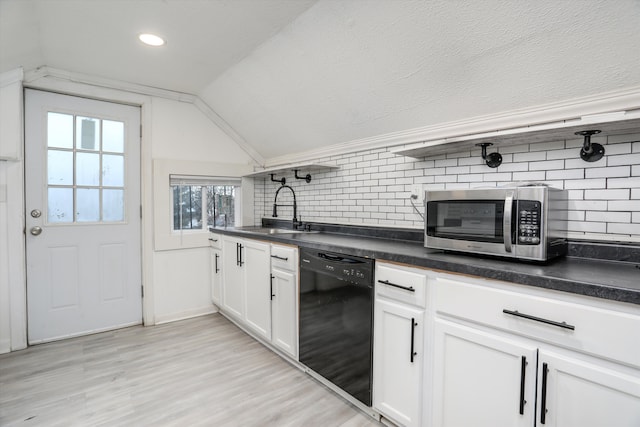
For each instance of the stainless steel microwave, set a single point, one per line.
(524, 222)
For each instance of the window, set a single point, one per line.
(85, 169)
(200, 202)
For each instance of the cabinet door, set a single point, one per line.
(481, 379)
(398, 361)
(257, 268)
(284, 306)
(572, 392)
(232, 278)
(216, 276)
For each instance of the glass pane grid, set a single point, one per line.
(85, 181)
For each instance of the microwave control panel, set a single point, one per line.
(529, 219)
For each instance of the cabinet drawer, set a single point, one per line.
(401, 284)
(284, 257)
(215, 241)
(597, 331)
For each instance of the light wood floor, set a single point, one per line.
(198, 372)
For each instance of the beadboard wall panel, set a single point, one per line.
(373, 187)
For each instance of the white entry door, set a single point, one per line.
(82, 180)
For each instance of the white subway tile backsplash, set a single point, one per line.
(624, 205)
(569, 153)
(566, 174)
(623, 182)
(618, 194)
(626, 229)
(456, 170)
(624, 159)
(609, 216)
(529, 176)
(446, 162)
(613, 149)
(588, 205)
(373, 186)
(613, 139)
(610, 172)
(530, 157)
(585, 183)
(546, 165)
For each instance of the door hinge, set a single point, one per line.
(140, 131)
(142, 291)
(140, 211)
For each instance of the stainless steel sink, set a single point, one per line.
(279, 231)
(263, 230)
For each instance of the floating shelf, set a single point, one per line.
(303, 168)
(609, 124)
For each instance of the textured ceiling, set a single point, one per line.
(98, 37)
(295, 75)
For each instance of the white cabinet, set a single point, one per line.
(245, 284)
(232, 278)
(573, 392)
(254, 259)
(399, 351)
(489, 339)
(284, 299)
(259, 289)
(215, 242)
(481, 379)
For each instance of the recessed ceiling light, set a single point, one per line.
(151, 39)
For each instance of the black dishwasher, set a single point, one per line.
(336, 319)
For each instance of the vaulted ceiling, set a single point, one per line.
(294, 75)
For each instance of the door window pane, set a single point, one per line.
(59, 130)
(88, 205)
(112, 170)
(87, 169)
(112, 136)
(112, 205)
(59, 167)
(60, 205)
(87, 133)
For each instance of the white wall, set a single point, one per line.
(176, 282)
(372, 187)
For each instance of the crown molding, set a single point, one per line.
(12, 76)
(574, 109)
(32, 77)
(48, 78)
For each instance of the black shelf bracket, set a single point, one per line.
(282, 180)
(590, 151)
(307, 177)
(492, 160)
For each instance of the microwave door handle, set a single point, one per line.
(506, 221)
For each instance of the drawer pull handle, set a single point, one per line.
(386, 282)
(523, 370)
(543, 406)
(564, 325)
(413, 333)
(279, 257)
(212, 240)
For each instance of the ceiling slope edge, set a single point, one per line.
(37, 78)
(573, 109)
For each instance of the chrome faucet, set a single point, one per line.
(295, 205)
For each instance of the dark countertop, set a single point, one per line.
(613, 280)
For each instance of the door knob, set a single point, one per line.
(36, 213)
(36, 230)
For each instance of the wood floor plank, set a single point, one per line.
(198, 372)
